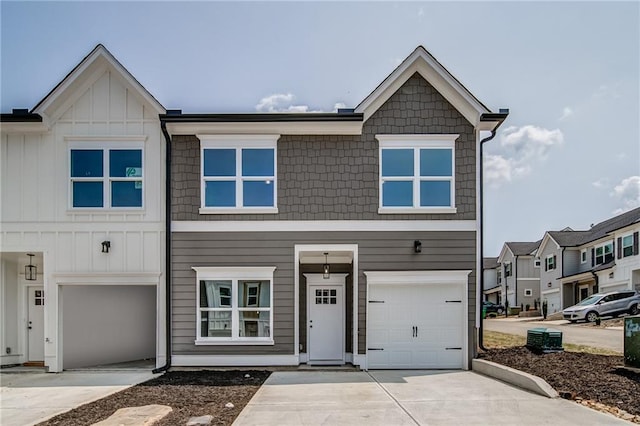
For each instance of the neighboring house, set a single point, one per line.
(580, 263)
(330, 238)
(492, 278)
(520, 274)
(82, 223)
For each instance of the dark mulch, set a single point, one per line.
(189, 393)
(580, 375)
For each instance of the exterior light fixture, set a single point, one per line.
(30, 270)
(417, 246)
(325, 268)
(106, 245)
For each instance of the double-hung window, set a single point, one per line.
(604, 253)
(238, 174)
(417, 173)
(550, 262)
(628, 245)
(234, 305)
(106, 176)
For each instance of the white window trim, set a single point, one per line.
(622, 246)
(416, 142)
(234, 274)
(604, 255)
(583, 256)
(536, 262)
(238, 142)
(528, 292)
(106, 145)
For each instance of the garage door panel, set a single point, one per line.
(417, 326)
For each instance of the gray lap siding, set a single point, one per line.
(378, 251)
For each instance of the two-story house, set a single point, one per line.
(580, 263)
(492, 278)
(520, 283)
(330, 238)
(82, 223)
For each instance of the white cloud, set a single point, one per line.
(338, 105)
(566, 113)
(281, 102)
(627, 192)
(601, 183)
(521, 148)
(421, 12)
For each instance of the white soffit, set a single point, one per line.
(432, 71)
(268, 128)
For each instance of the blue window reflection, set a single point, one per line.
(219, 162)
(435, 193)
(86, 163)
(220, 194)
(257, 162)
(88, 194)
(257, 194)
(397, 194)
(125, 163)
(126, 194)
(435, 162)
(397, 162)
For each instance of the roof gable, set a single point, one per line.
(83, 75)
(423, 63)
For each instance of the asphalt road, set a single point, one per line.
(571, 333)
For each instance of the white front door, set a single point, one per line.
(35, 323)
(325, 319)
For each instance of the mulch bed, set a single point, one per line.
(189, 393)
(580, 376)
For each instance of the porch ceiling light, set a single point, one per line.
(325, 267)
(30, 270)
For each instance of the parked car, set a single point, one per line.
(490, 307)
(603, 304)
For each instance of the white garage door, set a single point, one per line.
(416, 326)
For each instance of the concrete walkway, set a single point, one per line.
(29, 398)
(406, 398)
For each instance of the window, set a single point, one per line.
(234, 305)
(528, 292)
(550, 263)
(108, 177)
(536, 262)
(604, 253)
(507, 270)
(238, 174)
(583, 256)
(627, 246)
(417, 173)
(499, 275)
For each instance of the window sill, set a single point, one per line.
(417, 210)
(256, 342)
(242, 210)
(105, 210)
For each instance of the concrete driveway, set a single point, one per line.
(406, 398)
(29, 398)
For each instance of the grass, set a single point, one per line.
(497, 340)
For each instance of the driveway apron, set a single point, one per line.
(29, 398)
(395, 397)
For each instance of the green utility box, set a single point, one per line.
(544, 340)
(632, 341)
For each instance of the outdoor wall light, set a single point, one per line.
(325, 267)
(30, 270)
(106, 245)
(417, 246)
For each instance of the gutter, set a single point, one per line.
(500, 117)
(167, 231)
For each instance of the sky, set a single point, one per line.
(569, 72)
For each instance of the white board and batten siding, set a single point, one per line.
(99, 107)
(417, 319)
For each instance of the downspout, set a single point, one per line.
(501, 116)
(515, 277)
(167, 231)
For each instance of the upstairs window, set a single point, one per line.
(106, 178)
(238, 174)
(583, 256)
(417, 173)
(550, 263)
(603, 254)
(507, 269)
(628, 245)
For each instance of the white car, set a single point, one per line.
(603, 304)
